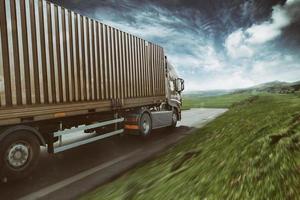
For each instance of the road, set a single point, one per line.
(72, 173)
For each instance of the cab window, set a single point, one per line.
(172, 86)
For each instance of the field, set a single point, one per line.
(223, 101)
(251, 152)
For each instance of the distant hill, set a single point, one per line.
(209, 93)
(274, 87)
(271, 87)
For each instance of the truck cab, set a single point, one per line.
(175, 86)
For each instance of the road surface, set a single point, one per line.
(72, 173)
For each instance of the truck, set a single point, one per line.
(63, 74)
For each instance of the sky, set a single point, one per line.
(214, 44)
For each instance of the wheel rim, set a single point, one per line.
(146, 124)
(174, 117)
(18, 155)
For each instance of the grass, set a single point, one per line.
(224, 101)
(250, 152)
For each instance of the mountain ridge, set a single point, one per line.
(272, 87)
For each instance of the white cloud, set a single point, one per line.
(204, 59)
(291, 2)
(236, 47)
(235, 79)
(267, 31)
(144, 31)
(242, 43)
(212, 61)
(282, 67)
(150, 23)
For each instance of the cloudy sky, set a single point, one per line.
(219, 44)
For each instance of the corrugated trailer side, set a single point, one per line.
(57, 63)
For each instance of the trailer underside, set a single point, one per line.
(10, 116)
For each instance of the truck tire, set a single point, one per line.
(145, 124)
(174, 119)
(19, 154)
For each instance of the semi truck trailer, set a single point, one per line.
(64, 74)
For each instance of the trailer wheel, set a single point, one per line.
(19, 153)
(145, 124)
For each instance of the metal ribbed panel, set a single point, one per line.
(124, 65)
(139, 67)
(133, 86)
(61, 57)
(21, 51)
(129, 48)
(49, 55)
(6, 92)
(38, 51)
(157, 70)
(109, 63)
(163, 71)
(2, 81)
(80, 56)
(113, 63)
(11, 52)
(70, 71)
(54, 52)
(135, 74)
(147, 62)
(47, 52)
(105, 63)
(143, 64)
(91, 65)
(74, 56)
(86, 59)
(16, 60)
(101, 60)
(152, 70)
(127, 66)
(95, 57)
(117, 65)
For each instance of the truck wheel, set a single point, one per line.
(174, 119)
(19, 153)
(145, 124)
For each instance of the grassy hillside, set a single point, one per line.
(251, 152)
(275, 87)
(223, 101)
(225, 98)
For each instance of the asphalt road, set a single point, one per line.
(72, 173)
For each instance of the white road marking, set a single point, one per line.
(52, 188)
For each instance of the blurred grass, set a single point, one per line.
(250, 152)
(223, 101)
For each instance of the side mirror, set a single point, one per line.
(182, 85)
(179, 85)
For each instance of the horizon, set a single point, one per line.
(213, 45)
(237, 88)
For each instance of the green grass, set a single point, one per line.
(250, 152)
(223, 101)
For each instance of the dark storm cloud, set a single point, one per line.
(220, 43)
